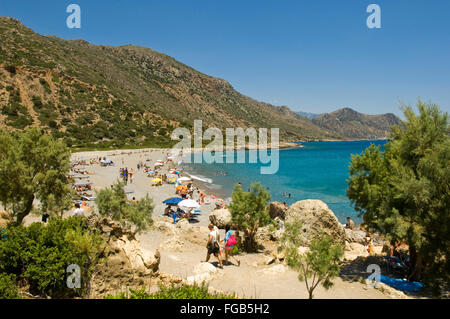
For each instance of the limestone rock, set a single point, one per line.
(203, 272)
(125, 265)
(220, 217)
(277, 209)
(315, 218)
(266, 234)
(354, 250)
(166, 227)
(274, 270)
(205, 268)
(173, 243)
(355, 236)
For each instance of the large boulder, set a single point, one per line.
(277, 209)
(315, 218)
(355, 236)
(220, 217)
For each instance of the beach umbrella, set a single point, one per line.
(173, 200)
(180, 187)
(184, 179)
(159, 161)
(174, 172)
(220, 201)
(156, 180)
(188, 203)
(159, 164)
(172, 178)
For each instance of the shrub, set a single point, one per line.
(249, 211)
(8, 287)
(112, 202)
(39, 254)
(195, 291)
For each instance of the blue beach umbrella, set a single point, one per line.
(173, 200)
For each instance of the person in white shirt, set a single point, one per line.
(213, 244)
(78, 211)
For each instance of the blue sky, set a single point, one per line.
(313, 56)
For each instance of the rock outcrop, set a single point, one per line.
(203, 272)
(277, 209)
(125, 265)
(315, 218)
(220, 217)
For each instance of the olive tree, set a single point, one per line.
(33, 166)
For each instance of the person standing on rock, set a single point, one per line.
(229, 242)
(213, 245)
(350, 223)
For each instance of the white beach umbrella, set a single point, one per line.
(188, 203)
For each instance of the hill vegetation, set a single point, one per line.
(103, 96)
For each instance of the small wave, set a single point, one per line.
(202, 179)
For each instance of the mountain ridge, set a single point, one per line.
(91, 94)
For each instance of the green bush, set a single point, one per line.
(39, 254)
(8, 287)
(195, 291)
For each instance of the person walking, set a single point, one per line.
(213, 244)
(229, 242)
(131, 174)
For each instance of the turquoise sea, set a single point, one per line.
(318, 170)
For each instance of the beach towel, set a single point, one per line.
(401, 284)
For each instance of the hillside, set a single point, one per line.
(352, 124)
(93, 95)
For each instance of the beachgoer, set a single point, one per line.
(213, 245)
(369, 243)
(130, 174)
(202, 198)
(168, 211)
(229, 248)
(78, 211)
(350, 223)
(45, 216)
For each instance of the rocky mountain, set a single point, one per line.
(104, 96)
(352, 124)
(308, 114)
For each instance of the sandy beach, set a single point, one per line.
(252, 279)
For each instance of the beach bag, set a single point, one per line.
(231, 241)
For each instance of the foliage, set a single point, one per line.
(8, 287)
(317, 266)
(403, 192)
(33, 166)
(248, 211)
(113, 202)
(195, 291)
(39, 254)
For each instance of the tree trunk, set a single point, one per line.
(417, 265)
(250, 244)
(27, 209)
